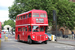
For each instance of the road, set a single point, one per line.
(12, 44)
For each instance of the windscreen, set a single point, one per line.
(42, 15)
(38, 29)
(39, 14)
(35, 29)
(35, 14)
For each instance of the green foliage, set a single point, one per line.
(65, 10)
(2, 27)
(9, 22)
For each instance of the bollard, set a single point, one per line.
(52, 38)
(6, 37)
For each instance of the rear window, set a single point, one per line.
(35, 14)
(42, 15)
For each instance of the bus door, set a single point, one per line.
(29, 30)
(26, 33)
(19, 33)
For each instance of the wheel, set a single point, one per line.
(29, 40)
(45, 42)
(18, 39)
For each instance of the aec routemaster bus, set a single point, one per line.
(0, 29)
(31, 26)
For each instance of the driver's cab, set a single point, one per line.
(38, 29)
(38, 33)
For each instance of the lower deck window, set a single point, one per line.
(19, 29)
(42, 28)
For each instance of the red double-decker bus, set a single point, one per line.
(0, 29)
(31, 26)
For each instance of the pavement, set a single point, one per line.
(66, 41)
(10, 38)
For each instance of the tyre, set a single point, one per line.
(29, 40)
(45, 42)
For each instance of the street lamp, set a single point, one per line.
(64, 27)
(55, 21)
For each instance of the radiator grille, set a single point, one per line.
(40, 37)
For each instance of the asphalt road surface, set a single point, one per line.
(12, 44)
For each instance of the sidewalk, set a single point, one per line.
(10, 38)
(66, 41)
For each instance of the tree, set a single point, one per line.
(65, 10)
(9, 22)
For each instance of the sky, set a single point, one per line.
(4, 4)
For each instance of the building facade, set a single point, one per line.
(72, 0)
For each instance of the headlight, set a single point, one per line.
(33, 36)
(46, 36)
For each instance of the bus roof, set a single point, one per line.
(31, 11)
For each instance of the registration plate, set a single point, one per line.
(40, 41)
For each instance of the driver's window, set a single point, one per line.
(35, 29)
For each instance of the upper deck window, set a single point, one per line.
(23, 16)
(29, 14)
(19, 17)
(26, 15)
(35, 14)
(42, 15)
